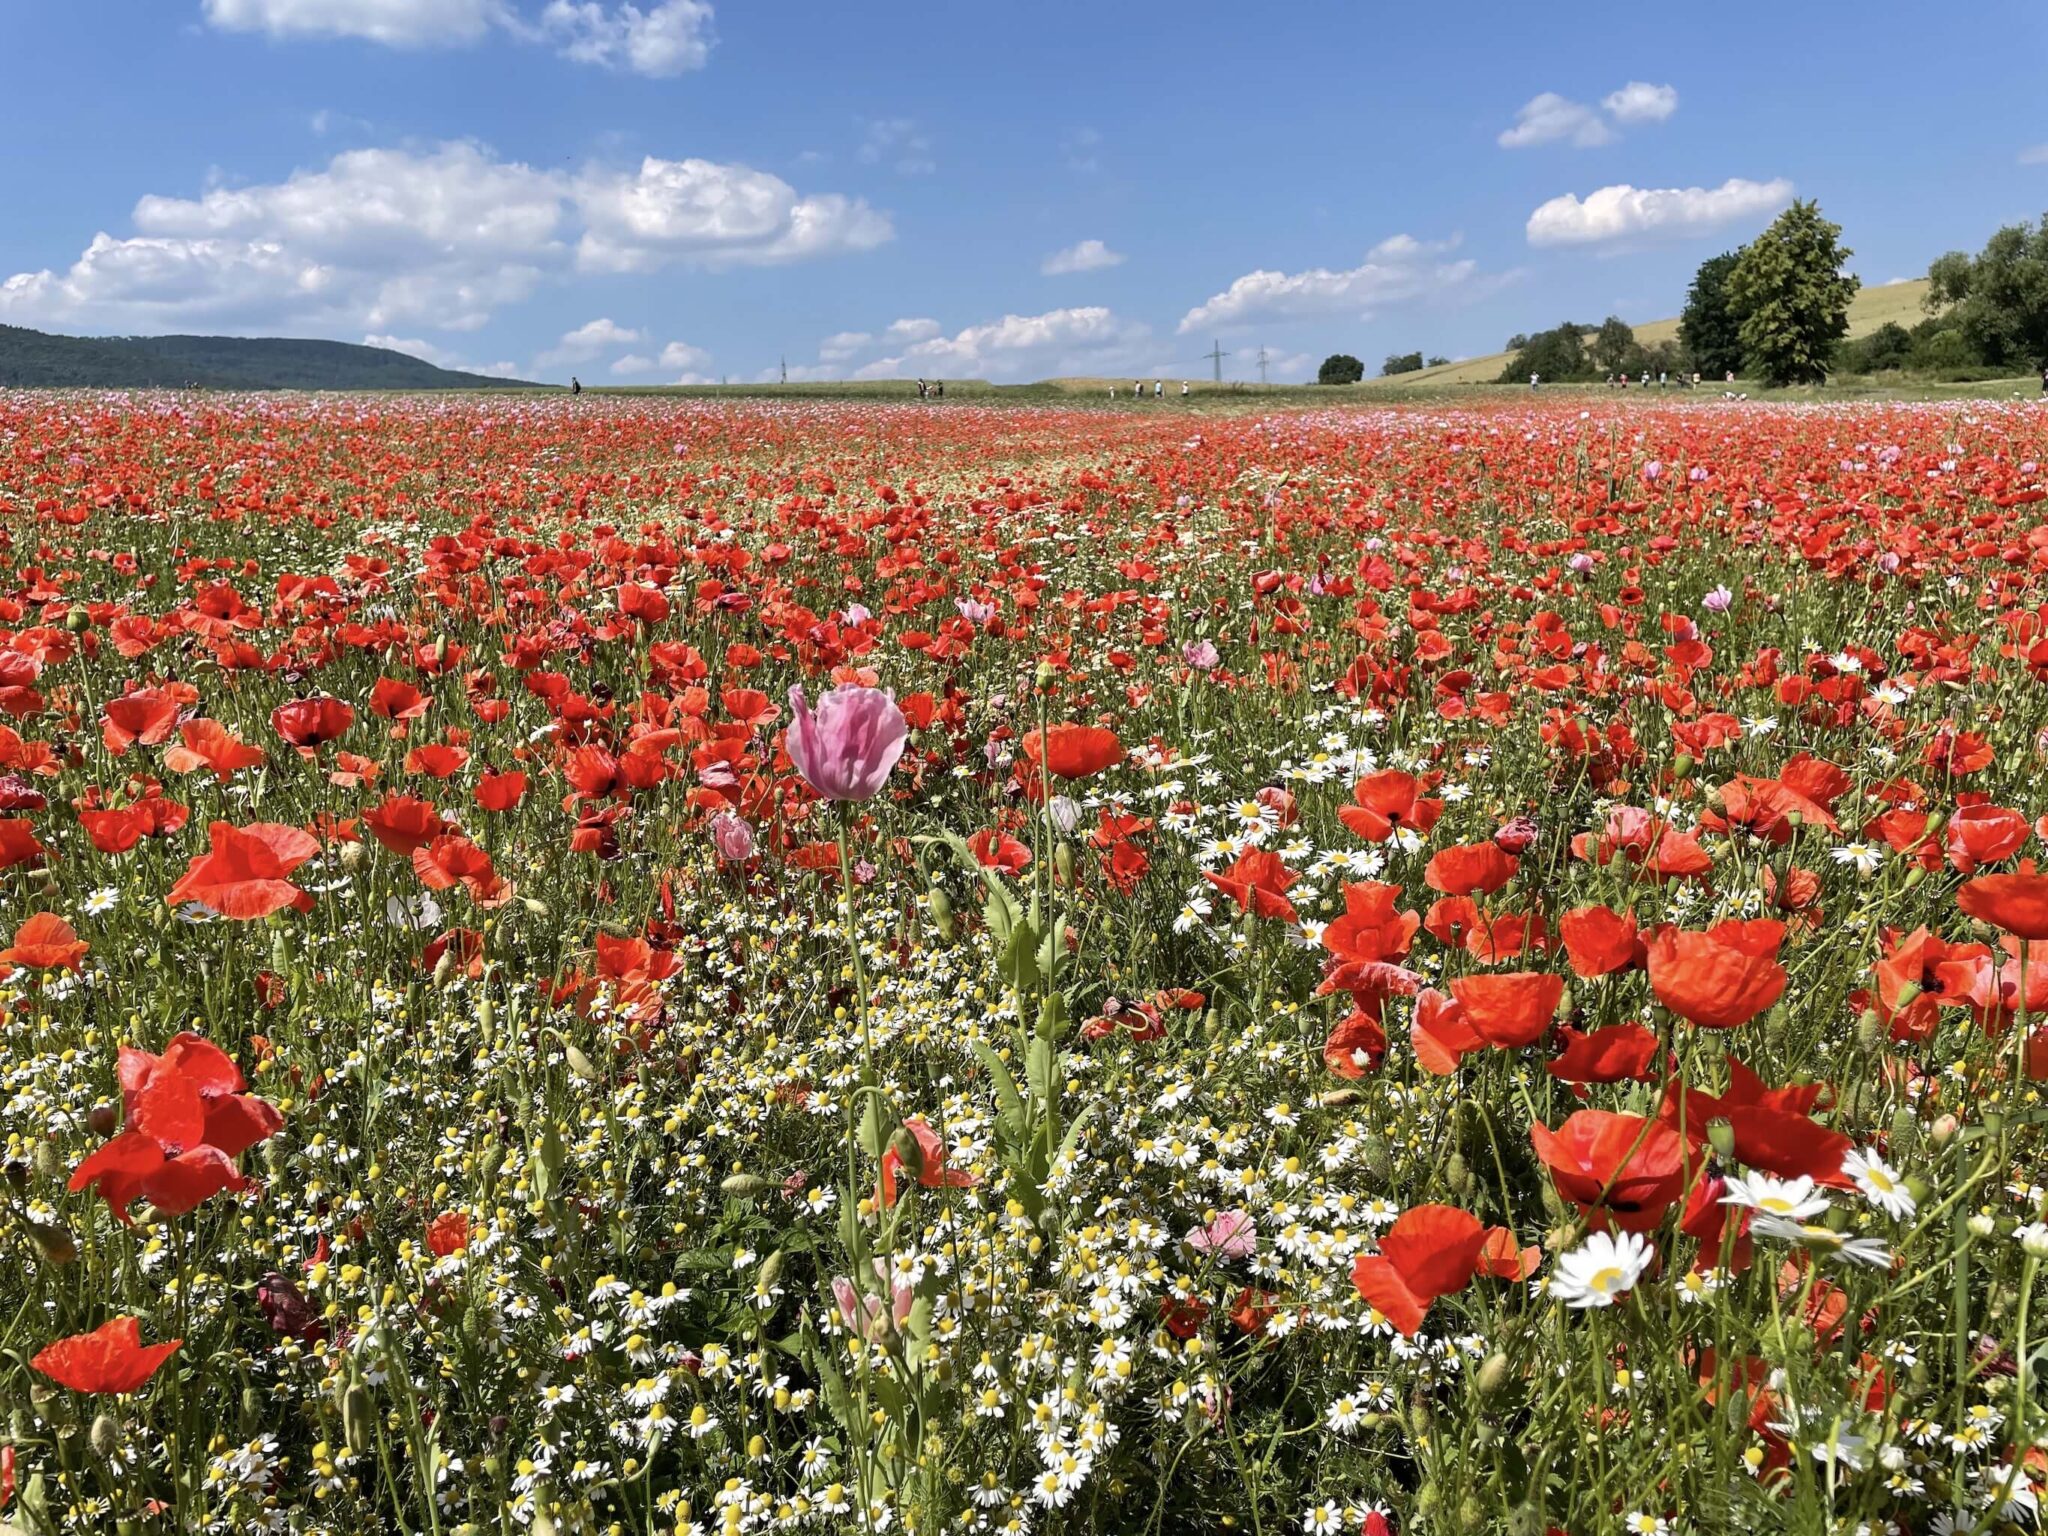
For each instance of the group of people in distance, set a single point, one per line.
(931, 389)
(1158, 389)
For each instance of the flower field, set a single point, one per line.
(743, 968)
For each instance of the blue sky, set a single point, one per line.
(699, 188)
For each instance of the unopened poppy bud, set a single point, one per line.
(48, 1165)
(1943, 1131)
(1471, 1513)
(55, 1243)
(543, 1522)
(1722, 1135)
(1914, 876)
(904, 1144)
(1870, 1031)
(579, 1063)
(743, 1186)
(1493, 1375)
(1681, 766)
(941, 907)
(444, 967)
(1337, 1098)
(359, 1421)
(106, 1436)
(771, 1271)
(534, 905)
(1063, 863)
(102, 1120)
(252, 1408)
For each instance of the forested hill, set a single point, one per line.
(40, 360)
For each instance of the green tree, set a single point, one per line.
(1886, 349)
(1999, 298)
(1340, 368)
(1556, 355)
(1401, 362)
(1708, 327)
(1613, 348)
(1789, 288)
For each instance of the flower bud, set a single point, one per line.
(1493, 1375)
(904, 1144)
(744, 1186)
(359, 1421)
(106, 1436)
(1722, 1135)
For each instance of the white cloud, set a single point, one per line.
(586, 341)
(715, 215)
(680, 354)
(632, 362)
(1059, 341)
(2036, 154)
(669, 38)
(899, 142)
(1624, 212)
(395, 23)
(837, 348)
(384, 239)
(902, 332)
(1641, 102)
(1551, 118)
(440, 357)
(1088, 256)
(1395, 271)
(1547, 118)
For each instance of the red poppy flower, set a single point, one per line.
(500, 791)
(404, 824)
(1073, 751)
(1356, 1046)
(2017, 902)
(245, 874)
(1620, 1053)
(311, 723)
(209, 744)
(932, 1172)
(1257, 881)
(1430, 1251)
(447, 1234)
(187, 1119)
(45, 942)
(1441, 1034)
(1509, 1009)
(1598, 940)
(1617, 1169)
(1387, 801)
(112, 1358)
(148, 716)
(1977, 835)
(393, 700)
(1467, 869)
(1721, 978)
(998, 850)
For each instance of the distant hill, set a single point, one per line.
(1871, 308)
(37, 359)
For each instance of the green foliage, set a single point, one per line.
(1438, 362)
(1401, 362)
(1557, 354)
(1708, 327)
(1999, 298)
(1789, 288)
(1340, 368)
(37, 359)
(1613, 348)
(1888, 349)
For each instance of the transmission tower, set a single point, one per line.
(785, 370)
(1216, 354)
(1262, 367)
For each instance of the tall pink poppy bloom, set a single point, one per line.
(846, 749)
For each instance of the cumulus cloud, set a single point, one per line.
(1623, 212)
(1397, 270)
(680, 354)
(586, 341)
(837, 348)
(440, 357)
(1060, 341)
(395, 23)
(1088, 256)
(1641, 102)
(1553, 119)
(917, 328)
(713, 215)
(669, 37)
(381, 239)
(1549, 118)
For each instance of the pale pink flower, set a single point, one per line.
(845, 750)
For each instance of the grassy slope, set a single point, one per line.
(1871, 308)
